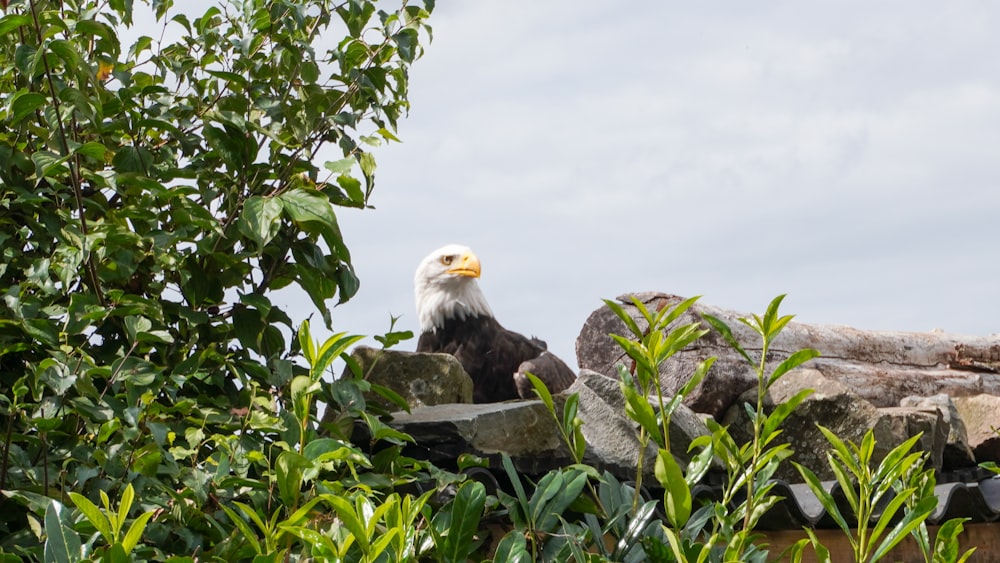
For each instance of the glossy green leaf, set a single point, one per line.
(11, 22)
(465, 511)
(24, 103)
(825, 498)
(62, 544)
(94, 515)
(261, 219)
(512, 548)
(911, 520)
(639, 409)
(791, 362)
(247, 532)
(727, 334)
(623, 315)
(289, 469)
(676, 494)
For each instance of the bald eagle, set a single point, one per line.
(456, 319)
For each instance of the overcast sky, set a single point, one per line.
(844, 153)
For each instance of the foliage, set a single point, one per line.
(897, 493)
(153, 195)
(749, 467)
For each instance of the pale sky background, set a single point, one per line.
(844, 153)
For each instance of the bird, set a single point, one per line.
(456, 319)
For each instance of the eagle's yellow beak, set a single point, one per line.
(466, 265)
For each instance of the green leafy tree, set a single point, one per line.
(153, 194)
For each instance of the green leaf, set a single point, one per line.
(289, 468)
(676, 494)
(946, 542)
(515, 480)
(247, 532)
(557, 495)
(306, 342)
(367, 161)
(639, 410)
(24, 103)
(133, 159)
(623, 315)
(466, 511)
(261, 220)
(406, 41)
(543, 392)
(342, 166)
(135, 531)
(512, 548)
(94, 515)
(791, 362)
(66, 51)
(727, 334)
(911, 520)
(62, 544)
(782, 412)
(841, 449)
(10, 22)
(312, 212)
(822, 553)
(124, 505)
(350, 518)
(115, 554)
(94, 150)
(824, 497)
(696, 378)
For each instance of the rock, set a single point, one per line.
(843, 412)
(525, 430)
(421, 379)
(979, 413)
(882, 367)
(898, 424)
(528, 433)
(613, 438)
(595, 350)
(956, 453)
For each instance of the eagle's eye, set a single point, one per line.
(446, 260)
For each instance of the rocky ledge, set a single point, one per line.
(898, 384)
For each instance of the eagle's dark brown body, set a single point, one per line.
(495, 358)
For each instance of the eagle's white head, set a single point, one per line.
(445, 287)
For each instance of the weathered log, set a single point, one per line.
(883, 367)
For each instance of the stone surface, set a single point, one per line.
(882, 367)
(957, 454)
(421, 379)
(613, 438)
(981, 414)
(842, 411)
(528, 433)
(525, 430)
